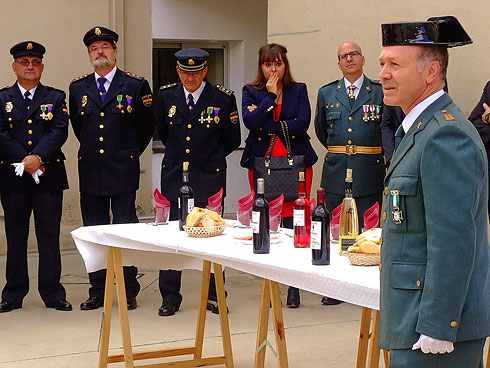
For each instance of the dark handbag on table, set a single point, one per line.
(281, 173)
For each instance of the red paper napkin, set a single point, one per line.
(312, 206)
(160, 200)
(216, 199)
(371, 217)
(246, 203)
(336, 215)
(275, 206)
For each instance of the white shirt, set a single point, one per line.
(419, 109)
(23, 90)
(358, 83)
(195, 95)
(109, 77)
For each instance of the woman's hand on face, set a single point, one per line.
(251, 108)
(272, 83)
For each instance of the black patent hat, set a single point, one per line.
(100, 34)
(27, 48)
(192, 59)
(445, 31)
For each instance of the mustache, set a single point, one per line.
(102, 61)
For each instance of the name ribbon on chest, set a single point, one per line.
(397, 212)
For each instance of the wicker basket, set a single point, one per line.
(363, 259)
(204, 232)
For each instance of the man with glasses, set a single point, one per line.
(112, 117)
(347, 123)
(33, 128)
(198, 123)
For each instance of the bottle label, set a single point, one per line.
(316, 235)
(255, 222)
(299, 217)
(190, 205)
(346, 242)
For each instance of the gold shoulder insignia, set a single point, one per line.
(80, 78)
(448, 117)
(226, 91)
(135, 76)
(168, 86)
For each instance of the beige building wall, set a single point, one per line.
(60, 25)
(312, 30)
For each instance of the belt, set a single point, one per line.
(353, 150)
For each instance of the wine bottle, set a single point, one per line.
(301, 216)
(320, 231)
(186, 196)
(349, 227)
(260, 221)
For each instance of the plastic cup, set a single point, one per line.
(243, 218)
(161, 214)
(274, 222)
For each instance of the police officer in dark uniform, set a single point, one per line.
(33, 128)
(347, 123)
(112, 117)
(198, 122)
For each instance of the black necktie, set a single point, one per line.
(101, 88)
(27, 99)
(352, 96)
(191, 101)
(400, 133)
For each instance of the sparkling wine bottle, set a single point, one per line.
(320, 231)
(349, 228)
(186, 196)
(302, 216)
(260, 221)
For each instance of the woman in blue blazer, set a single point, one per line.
(275, 96)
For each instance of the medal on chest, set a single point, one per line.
(397, 212)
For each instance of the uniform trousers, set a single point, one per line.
(169, 281)
(363, 203)
(466, 354)
(47, 209)
(96, 211)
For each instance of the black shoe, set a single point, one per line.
(132, 303)
(330, 301)
(61, 305)
(293, 300)
(167, 310)
(213, 307)
(92, 303)
(6, 306)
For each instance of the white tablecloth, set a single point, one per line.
(164, 246)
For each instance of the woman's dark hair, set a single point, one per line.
(272, 52)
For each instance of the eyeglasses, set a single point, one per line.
(352, 54)
(103, 47)
(26, 62)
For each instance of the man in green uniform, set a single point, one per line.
(435, 272)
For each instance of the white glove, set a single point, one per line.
(36, 175)
(19, 168)
(430, 345)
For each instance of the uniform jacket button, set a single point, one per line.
(418, 283)
(384, 216)
(102, 113)
(101, 151)
(454, 324)
(29, 121)
(101, 126)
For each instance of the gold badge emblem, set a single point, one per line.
(448, 117)
(29, 46)
(337, 104)
(97, 31)
(84, 100)
(419, 124)
(191, 62)
(9, 106)
(172, 111)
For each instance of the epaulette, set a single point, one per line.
(80, 78)
(375, 81)
(55, 89)
(328, 84)
(134, 76)
(168, 86)
(226, 91)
